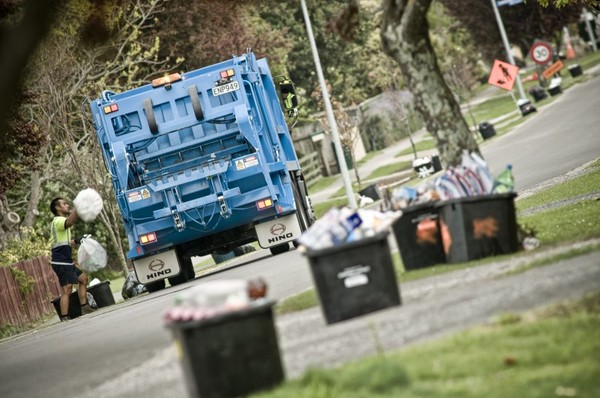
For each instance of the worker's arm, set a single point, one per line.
(72, 219)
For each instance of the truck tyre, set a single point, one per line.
(275, 250)
(304, 209)
(149, 109)
(222, 257)
(195, 102)
(155, 286)
(186, 272)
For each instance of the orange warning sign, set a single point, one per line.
(503, 75)
(552, 69)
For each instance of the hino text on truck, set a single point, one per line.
(203, 162)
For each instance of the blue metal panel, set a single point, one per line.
(193, 177)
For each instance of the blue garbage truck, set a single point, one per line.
(203, 162)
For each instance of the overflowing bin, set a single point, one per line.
(102, 294)
(231, 354)
(418, 236)
(478, 226)
(354, 278)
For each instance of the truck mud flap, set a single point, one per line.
(278, 231)
(156, 267)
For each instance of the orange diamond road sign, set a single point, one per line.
(552, 69)
(503, 75)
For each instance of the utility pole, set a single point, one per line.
(329, 110)
(588, 27)
(507, 47)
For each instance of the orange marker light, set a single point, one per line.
(148, 238)
(111, 108)
(264, 203)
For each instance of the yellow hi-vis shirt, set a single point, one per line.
(61, 242)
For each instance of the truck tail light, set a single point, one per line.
(264, 204)
(111, 108)
(226, 74)
(148, 238)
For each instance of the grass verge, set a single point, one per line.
(545, 353)
(424, 145)
(576, 222)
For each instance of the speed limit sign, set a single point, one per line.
(541, 53)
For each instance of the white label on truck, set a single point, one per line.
(156, 267)
(248, 161)
(278, 231)
(225, 88)
(134, 196)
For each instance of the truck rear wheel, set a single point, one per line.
(304, 209)
(155, 286)
(275, 250)
(186, 269)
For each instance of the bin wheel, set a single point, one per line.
(196, 102)
(149, 109)
(275, 250)
(155, 286)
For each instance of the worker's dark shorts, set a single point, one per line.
(67, 274)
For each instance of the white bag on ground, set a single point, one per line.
(91, 255)
(88, 204)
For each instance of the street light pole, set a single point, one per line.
(507, 47)
(329, 110)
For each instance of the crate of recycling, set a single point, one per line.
(351, 263)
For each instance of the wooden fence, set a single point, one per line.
(19, 309)
(311, 167)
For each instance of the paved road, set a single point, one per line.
(560, 137)
(125, 351)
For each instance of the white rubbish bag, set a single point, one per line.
(91, 255)
(88, 204)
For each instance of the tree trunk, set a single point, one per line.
(405, 38)
(34, 200)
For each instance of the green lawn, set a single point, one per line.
(423, 145)
(551, 352)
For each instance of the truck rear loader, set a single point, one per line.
(203, 162)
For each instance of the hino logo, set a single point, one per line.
(277, 229)
(281, 237)
(156, 265)
(159, 273)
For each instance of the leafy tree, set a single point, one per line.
(524, 23)
(405, 38)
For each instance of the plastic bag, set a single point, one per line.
(91, 255)
(88, 204)
(132, 287)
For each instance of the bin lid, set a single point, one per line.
(258, 306)
(478, 198)
(345, 246)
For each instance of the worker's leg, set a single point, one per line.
(64, 301)
(82, 288)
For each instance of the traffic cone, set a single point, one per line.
(570, 51)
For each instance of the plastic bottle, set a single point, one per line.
(505, 182)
